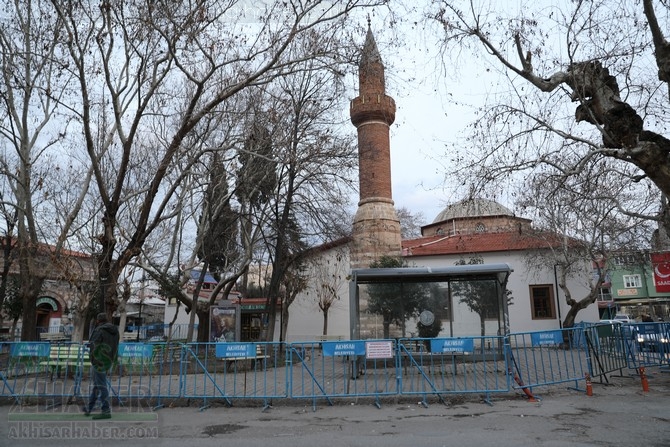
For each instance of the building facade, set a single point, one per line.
(638, 285)
(469, 229)
(70, 278)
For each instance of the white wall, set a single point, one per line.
(306, 319)
(519, 282)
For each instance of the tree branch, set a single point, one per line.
(660, 44)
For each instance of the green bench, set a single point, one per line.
(71, 357)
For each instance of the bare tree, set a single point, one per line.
(295, 281)
(329, 276)
(315, 164)
(581, 225)
(159, 69)
(206, 204)
(599, 55)
(410, 223)
(33, 80)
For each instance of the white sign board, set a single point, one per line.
(379, 349)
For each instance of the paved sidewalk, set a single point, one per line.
(618, 414)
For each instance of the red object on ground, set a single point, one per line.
(531, 398)
(643, 377)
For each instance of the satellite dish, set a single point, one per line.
(426, 318)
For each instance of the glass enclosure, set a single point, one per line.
(459, 301)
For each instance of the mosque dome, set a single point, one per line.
(470, 208)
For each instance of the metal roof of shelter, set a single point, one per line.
(432, 274)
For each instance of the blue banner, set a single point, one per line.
(236, 350)
(30, 349)
(649, 328)
(546, 338)
(136, 350)
(459, 345)
(339, 348)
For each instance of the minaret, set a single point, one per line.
(376, 230)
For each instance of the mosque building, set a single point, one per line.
(471, 228)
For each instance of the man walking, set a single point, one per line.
(104, 345)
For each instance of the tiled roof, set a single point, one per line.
(475, 243)
(51, 249)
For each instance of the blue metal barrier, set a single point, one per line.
(43, 370)
(648, 344)
(7, 384)
(233, 371)
(146, 371)
(548, 358)
(347, 368)
(608, 349)
(453, 366)
(328, 370)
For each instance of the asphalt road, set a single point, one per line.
(618, 414)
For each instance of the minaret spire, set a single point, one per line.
(376, 230)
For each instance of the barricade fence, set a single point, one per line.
(445, 366)
(326, 370)
(346, 368)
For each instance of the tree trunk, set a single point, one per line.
(569, 320)
(78, 326)
(284, 322)
(325, 322)
(386, 324)
(191, 321)
(29, 291)
(12, 333)
(122, 320)
(203, 325)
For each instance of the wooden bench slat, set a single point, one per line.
(67, 355)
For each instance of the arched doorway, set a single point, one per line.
(49, 313)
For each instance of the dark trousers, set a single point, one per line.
(99, 390)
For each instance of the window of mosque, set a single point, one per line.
(542, 302)
(480, 228)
